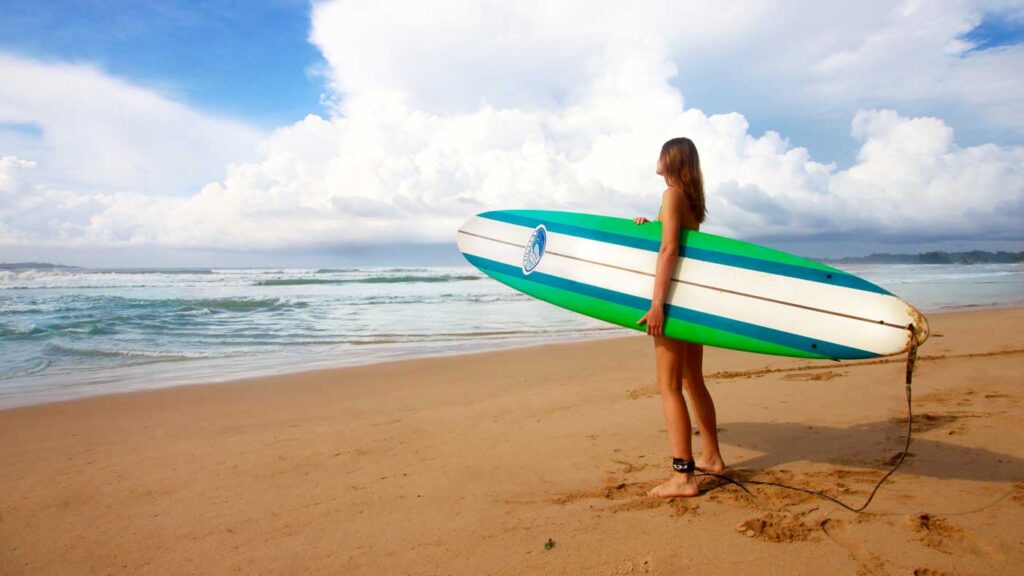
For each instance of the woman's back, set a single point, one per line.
(687, 220)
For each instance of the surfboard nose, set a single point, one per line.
(460, 235)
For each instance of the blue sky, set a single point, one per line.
(997, 30)
(250, 60)
(129, 129)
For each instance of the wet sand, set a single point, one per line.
(531, 461)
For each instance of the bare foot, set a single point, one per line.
(679, 485)
(713, 464)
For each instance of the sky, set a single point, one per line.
(288, 133)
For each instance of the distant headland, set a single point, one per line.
(32, 265)
(972, 257)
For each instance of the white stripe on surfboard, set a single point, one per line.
(794, 291)
(815, 325)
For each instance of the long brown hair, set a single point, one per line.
(682, 168)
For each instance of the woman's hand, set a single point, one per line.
(640, 220)
(655, 320)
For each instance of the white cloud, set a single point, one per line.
(912, 179)
(101, 133)
(825, 60)
(33, 213)
(818, 55)
(448, 111)
(12, 175)
(462, 54)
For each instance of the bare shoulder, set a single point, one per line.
(674, 199)
(673, 195)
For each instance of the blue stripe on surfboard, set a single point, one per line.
(746, 262)
(828, 349)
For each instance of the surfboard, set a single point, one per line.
(724, 292)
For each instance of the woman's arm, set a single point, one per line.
(668, 255)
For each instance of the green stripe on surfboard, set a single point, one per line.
(627, 316)
(652, 232)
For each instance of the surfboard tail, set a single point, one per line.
(920, 330)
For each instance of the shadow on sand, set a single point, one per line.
(872, 446)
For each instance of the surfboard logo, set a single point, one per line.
(535, 249)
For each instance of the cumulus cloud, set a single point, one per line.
(445, 112)
(95, 132)
(822, 61)
(826, 56)
(33, 213)
(528, 54)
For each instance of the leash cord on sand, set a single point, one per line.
(911, 358)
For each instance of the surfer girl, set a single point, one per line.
(678, 363)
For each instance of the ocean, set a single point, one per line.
(68, 333)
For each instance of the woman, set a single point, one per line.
(678, 362)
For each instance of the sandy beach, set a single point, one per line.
(531, 461)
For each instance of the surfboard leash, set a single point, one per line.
(911, 359)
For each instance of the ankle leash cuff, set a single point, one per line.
(683, 466)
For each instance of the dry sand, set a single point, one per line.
(472, 464)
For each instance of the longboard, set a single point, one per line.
(724, 292)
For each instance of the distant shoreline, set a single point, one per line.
(971, 257)
(35, 265)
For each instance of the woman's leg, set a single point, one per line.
(669, 357)
(703, 407)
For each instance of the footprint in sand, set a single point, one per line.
(934, 532)
(777, 527)
(942, 535)
(630, 467)
(893, 458)
(925, 422)
(837, 532)
(955, 424)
